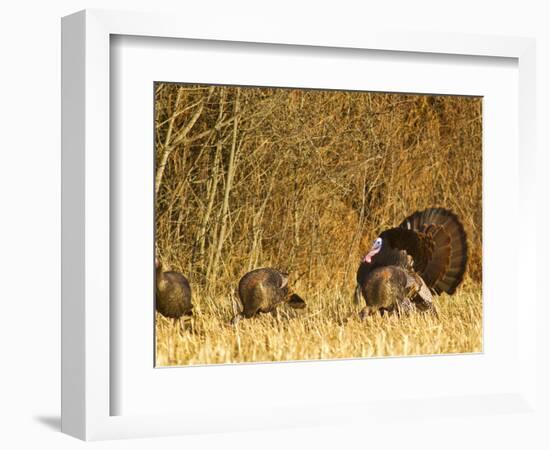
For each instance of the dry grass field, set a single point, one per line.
(304, 180)
(328, 329)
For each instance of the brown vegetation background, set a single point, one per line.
(304, 180)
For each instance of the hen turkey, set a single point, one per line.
(263, 290)
(173, 293)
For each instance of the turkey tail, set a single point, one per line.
(446, 264)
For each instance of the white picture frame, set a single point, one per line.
(87, 355)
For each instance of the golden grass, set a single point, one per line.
(329, 328)
(305, 180)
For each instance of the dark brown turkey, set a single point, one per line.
(173, 293)
(426, 254)
(263, 290)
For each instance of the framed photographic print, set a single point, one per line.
(278, 221)
(268, 195)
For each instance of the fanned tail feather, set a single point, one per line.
(447, 263)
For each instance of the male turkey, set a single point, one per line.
(426, 254)
(263, 290)
(173, 293)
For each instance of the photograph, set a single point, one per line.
(299, 224)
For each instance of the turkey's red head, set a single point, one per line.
(376, 246)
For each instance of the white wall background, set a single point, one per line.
(30, 196)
